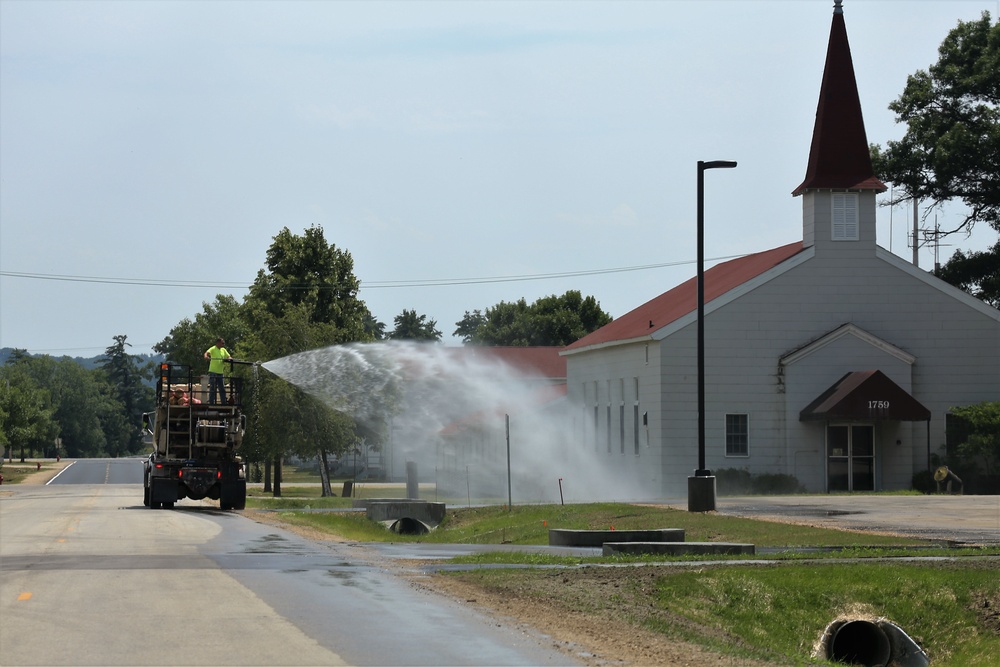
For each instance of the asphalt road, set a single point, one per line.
(89, 576)
(959, 520)
(101, 471)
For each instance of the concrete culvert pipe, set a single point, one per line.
(859, 643)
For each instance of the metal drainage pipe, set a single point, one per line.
(872, 644)
(859, 643)
(409, 526)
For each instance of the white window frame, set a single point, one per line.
(733, 434)
(844, 216)
(635, 418)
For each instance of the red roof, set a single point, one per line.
(537, 362)
(839, 157)
(683, 299)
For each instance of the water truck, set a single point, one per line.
(195, 440)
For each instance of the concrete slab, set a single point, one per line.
(561, 537)
(953, 519)
(676, 548)
(427, 513)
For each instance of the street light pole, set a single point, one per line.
(701, 487)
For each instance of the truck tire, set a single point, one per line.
(233, 494)
(145, 489)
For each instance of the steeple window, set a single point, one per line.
(844, 216)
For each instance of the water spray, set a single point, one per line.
(459, 413)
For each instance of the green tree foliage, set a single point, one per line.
(978, 273)
(127, 379)
(306, 272)
(951, 149)
(374, 328)
(982, 434)
(188, 340)
(551, 320)
(467, 327)
(82, 402)
(305, 298)
(84, 409)
(26, 414)
(410, 326)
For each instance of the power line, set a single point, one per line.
(375, 284)
(147, 282)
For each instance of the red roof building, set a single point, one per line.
(786, 329)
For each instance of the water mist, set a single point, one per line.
(445, 408)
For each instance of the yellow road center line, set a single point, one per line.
(23, 596)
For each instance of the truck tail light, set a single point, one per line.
(218, 474)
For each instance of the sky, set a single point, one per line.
(463, 153)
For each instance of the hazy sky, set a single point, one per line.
(165, 144)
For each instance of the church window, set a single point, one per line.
(845, 216)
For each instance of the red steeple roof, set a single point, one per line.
(839, 156)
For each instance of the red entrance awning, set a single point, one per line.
(865, 396)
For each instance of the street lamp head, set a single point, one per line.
(717, 164)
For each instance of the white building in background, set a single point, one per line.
(829, 359)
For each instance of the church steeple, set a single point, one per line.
(839, 157)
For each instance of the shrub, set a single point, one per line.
(740, 481)
(776, 483)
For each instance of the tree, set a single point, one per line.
(982, 434)
(306, 272)
(551, 320)
(374, 328)
(978, 273)
(951, 149)
(25, 412)
(306, 298)
(469, 325)
(410, 326)
(78, 399)
(188, 340)
(127, 386)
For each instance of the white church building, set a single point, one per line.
(828, 359)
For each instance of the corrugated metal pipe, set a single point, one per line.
(871, 643)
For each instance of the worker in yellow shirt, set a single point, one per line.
(216, 374)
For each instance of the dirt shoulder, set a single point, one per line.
(49, 470)
(582, 620)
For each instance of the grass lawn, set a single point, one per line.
(530, 524)
(14, 473)
(777, 613)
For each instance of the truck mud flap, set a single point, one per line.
(162, 491)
